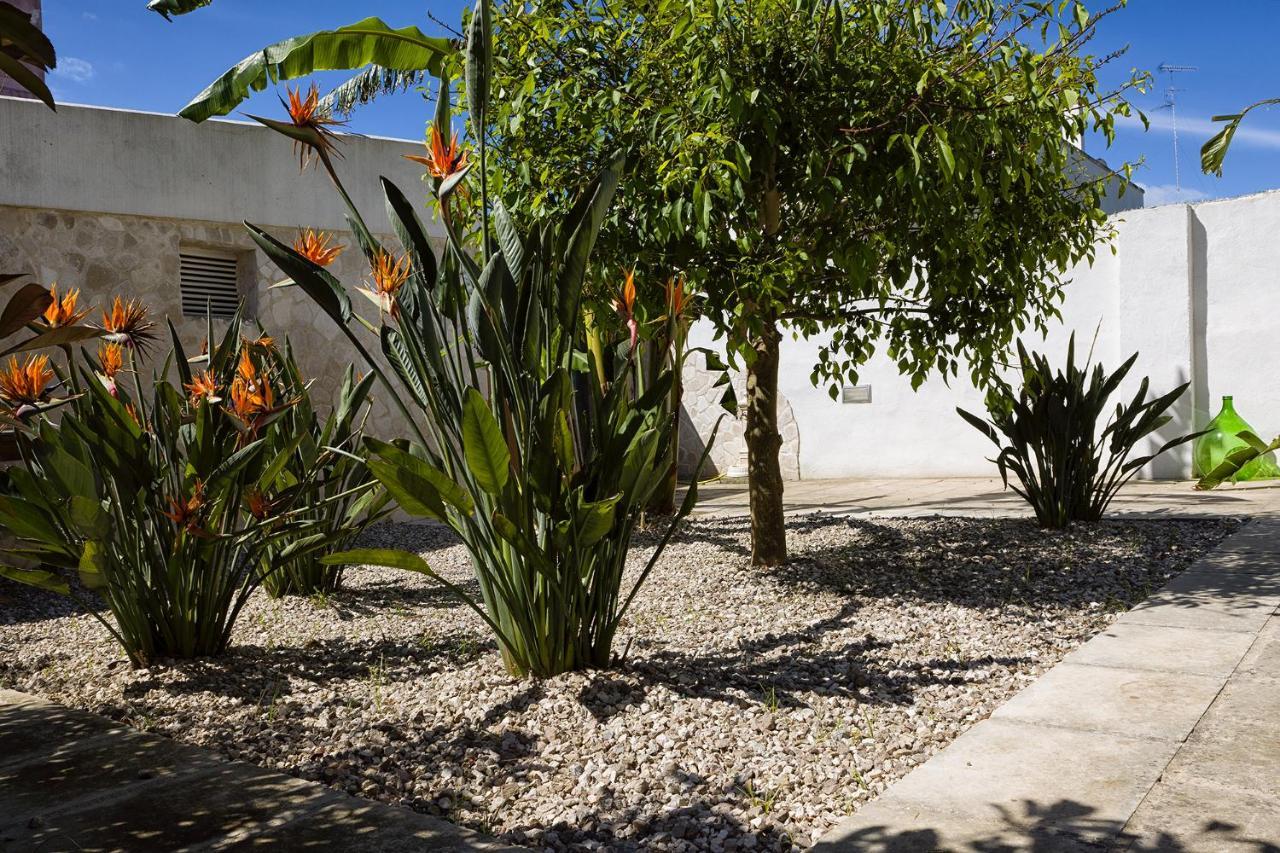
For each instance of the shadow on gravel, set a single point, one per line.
(861, 667)
(21, 604)
(254, 672)
(1065, 826)
(368, 599)
(987, 563)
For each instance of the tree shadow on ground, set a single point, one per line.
(370, 597)
(984, 563)
(1065, 826)
(250, 672)
(859, 667)
(21, 604)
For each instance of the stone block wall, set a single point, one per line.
(137, 257)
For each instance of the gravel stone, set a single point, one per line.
(750, 709)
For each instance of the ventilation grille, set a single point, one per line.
(209, 284)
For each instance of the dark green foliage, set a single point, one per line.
(145, 498)
(1049, 438)
(328, 457)
(540, 452)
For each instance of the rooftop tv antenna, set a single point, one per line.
(1171, 104)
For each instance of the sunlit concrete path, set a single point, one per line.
(976, 496)
(73, 781)
(1160, 734)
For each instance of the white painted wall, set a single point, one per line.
(1191, 288)
(159, 166)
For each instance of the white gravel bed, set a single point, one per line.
(753, 711)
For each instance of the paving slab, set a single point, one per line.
(1132, 702)
(891, 826)
(170, 813)
(1160, 734)
(31, 726)
(1055, 778)
(1223, 601)
(89, 769)
(1263, 658)
(1160, 648)
(1198, 818)
(1236, 746)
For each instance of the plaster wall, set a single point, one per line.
(162, 167)
(1188, 287)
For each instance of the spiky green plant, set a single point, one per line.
(327, 462)
(1067, 465)
(538, 452)
(145, 498)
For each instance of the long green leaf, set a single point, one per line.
(315, 280)
(482, 443)
(36, 578)
(176, 7)
(23, 307)
(367, 42)
(54, 337)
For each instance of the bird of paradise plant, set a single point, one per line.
(541, 470)
(141, 497)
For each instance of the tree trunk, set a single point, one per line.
(768, 530)
(663, 501)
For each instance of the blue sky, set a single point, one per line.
(115, 53)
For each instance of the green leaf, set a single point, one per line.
(393, 347)
(315, 280)
(23, 307)
(483, 445)
(585, 221)
(367, 42)
(28, 521)
(176, 7)
(23, 45)
(54, 337)
(91, 565)
(438, 481)
(1214, 151)
(509, 240)
(479, 66)
(90, 519)
(408, 228)
(597, 520)
(37, 578)
(24, 38)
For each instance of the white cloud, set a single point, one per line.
(1202, 128)
(89, 16)
(1169, 194)
(75, 70)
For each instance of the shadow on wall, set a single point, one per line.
(700, 409)
(1049, 828)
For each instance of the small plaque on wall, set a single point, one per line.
(856, 394)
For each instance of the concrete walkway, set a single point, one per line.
(72, 781)
(1160, 734)
(975, 496)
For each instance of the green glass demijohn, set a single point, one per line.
(1222, 438)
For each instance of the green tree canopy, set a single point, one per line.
(897, 174)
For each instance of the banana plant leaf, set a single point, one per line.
(1214, 151)
(367, 42)
(176, 7)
